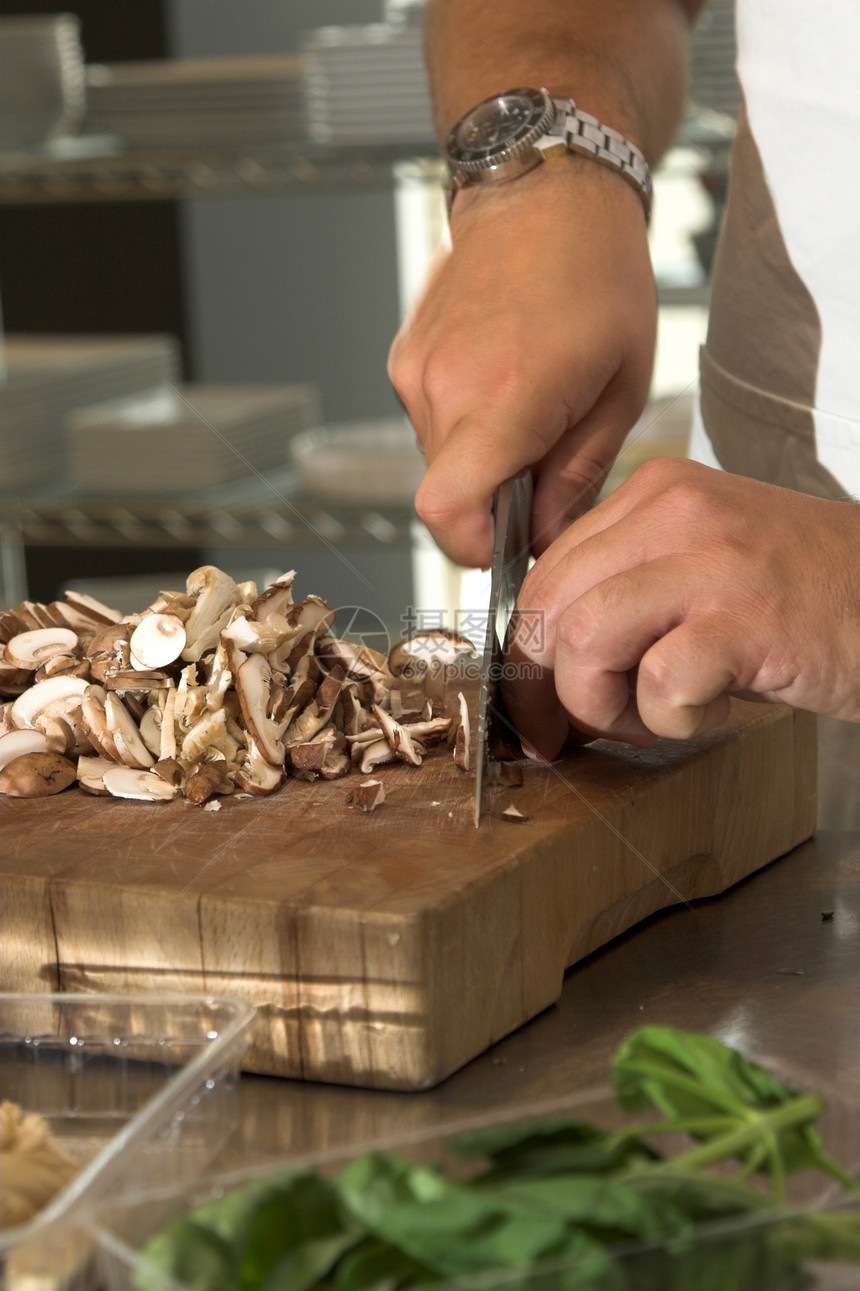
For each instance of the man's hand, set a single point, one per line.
(532, 345)
(683, 587)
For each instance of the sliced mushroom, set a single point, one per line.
(126, 734)
(61, 664)
(369, 795)
(314, 717)
(360, 662)
(93, 609)
(157, 641)
(376, 755)
(167, 748)
(14, 744)
(463, 738)
(216, 597)
(53, 696)
(398, 737)
(37, 775)
(31, 649)
(414, 655)
(275, 598)
(257, 776)
(132, 782)
(91, 775)
(96, 727)
(254, 688)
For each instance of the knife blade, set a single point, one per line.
(512, 507)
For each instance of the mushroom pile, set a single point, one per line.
(214, 691)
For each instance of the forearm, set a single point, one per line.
(624, 61)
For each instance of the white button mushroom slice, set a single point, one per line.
(257, 776)
(6, 718)
(216, 598)
(33, 614)
(463, 738)
(52, 696)
(31, 649)
(95, 725)
(167, 747)
(157, 641)
(126, 735)
(14, 681)
(254, 688)
(37, 775)
(134, 782)
(88, 605)
(369, 795)
(90, 774)
(14, 744)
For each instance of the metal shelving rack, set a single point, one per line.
(252, 512)
(111, 174)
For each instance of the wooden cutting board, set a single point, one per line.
(388, 949)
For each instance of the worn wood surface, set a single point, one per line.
(385, 950)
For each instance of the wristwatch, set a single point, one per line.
(509, 134)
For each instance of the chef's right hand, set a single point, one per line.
(531, 346)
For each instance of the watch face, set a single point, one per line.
(500, 123)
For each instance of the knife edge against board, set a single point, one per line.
(512, 507)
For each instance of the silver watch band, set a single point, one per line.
(584, 134)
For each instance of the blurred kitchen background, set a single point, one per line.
(214, 214)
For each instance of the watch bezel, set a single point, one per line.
(508, 158)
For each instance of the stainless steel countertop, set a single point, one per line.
(757, 966)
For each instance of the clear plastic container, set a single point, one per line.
(139, 1090)
(121, 1231)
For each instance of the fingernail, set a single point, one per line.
(531, 752)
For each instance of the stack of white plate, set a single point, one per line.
(367, 85)
(200, 102)
(45, 378)
(42, 94)
(191, 438)
(360, 462)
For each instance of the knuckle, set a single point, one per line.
(579, 625)
(434, 505)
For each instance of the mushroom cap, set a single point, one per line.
(158, 640)
(37, 775)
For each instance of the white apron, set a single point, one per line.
(780, 370)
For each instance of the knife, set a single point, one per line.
(512, 508)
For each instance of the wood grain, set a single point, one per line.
(388, 949)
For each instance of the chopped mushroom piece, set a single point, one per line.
(206, 780)
(514, 814)
(369, 795)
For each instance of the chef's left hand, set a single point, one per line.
(687, 585)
